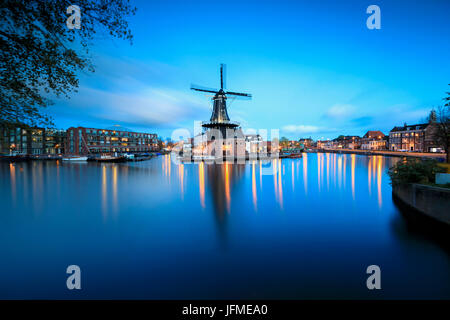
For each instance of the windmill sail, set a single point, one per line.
(219, 117)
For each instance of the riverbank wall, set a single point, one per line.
(429, 201)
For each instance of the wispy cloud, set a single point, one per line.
(341, 111)
(133, 94)
(149, 107)
(305, 129)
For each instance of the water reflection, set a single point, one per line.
(379, 177)
(369, 173)
(280, 185)
(181, 178)
(201, 183)
(255, 199)
(12, 172)
(353, 175)
(305, 172)
(104, 192)
(214, 179)
(202, 218)
(221, 179)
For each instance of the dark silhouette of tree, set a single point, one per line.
(443, 129)
(40, 56)
(432, 117)
(447, 99)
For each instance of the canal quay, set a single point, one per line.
(161, 230)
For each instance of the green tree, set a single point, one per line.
(40, 56)
(414, 171)
(284, 142)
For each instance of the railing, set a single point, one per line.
(229, 122)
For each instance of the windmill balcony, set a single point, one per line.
(223, 122)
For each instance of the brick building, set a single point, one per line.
(346, 142)
(417, 137)
(31, 141)
(373, 140)
(82, 141)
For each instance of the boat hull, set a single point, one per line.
(74, 159)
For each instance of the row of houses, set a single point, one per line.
(83, 141)
(416, 138)
(74, 141)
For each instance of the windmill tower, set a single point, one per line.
(220, 121)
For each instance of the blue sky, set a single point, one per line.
(313, 67)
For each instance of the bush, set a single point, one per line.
(414, 171)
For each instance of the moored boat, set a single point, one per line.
(15, 158)
(108, 158)
(75, 158)
(295, 155)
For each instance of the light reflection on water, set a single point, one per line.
(307, 231)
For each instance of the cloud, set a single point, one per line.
(132, 93)
(340, 111)
(302, 129)
(148, 107)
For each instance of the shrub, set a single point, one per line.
(414, 171)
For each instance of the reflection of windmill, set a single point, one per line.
(223, 180)
(219, 118)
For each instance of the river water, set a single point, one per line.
(160, 230)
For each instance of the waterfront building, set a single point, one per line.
(417, 137)
(346, 142)
(212, 143)
(373, 140)
(291, 144)
(30, 141)
(308, 142)
(254, 144)
(83, 141)
(324, 144)
(54, 141)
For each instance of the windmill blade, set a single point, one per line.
(203, 89)
(238, 94)
(223, 76)
(234, 97)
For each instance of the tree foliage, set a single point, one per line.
(40, 56)
(443, 129)
(414, 171)
(447, 99)
(443, 126)
(284, 142)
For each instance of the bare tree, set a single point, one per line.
(447, 99)
(443, 128)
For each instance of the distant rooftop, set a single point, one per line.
(373, 134)
(420, 126)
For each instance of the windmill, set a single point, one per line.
(219, 117)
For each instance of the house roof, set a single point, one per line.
(345, 138)
(420, 126)
(373, 134)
